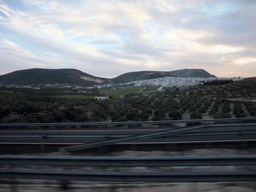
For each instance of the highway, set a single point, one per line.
(79, 139)
(87, 131)
(207, 132)
(97, 137)
(159, 136)
(105, 124)
(88, 138)
(124, 161)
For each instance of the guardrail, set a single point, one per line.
(104, 136)
(169, 132)
(111, 176)
(127, 122)
(124, 176)
(117, 161)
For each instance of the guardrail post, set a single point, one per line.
(42, 145)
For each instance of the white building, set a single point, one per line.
(102, 98)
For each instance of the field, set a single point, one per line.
(234, 99)
(119, 92)
(76, 96)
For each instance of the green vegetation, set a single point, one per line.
(137, 103)
(76, 96)
(120, 91)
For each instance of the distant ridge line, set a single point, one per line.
(36, 76)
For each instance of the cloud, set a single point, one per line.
(245, 60)
(110, 37)
(52, 30)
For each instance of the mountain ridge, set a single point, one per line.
(141, 75)
(35, 76)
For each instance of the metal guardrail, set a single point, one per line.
(104, 137)
(111, 176)
(127, 122)
(119, 161)
(144, 136)
(134, 176)
(124, 176)
(47, 135)
(169, 132)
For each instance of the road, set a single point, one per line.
(210, 133)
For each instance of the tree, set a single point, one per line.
(59, 115)
(144, 115)
(175, 114)
(118, 117)
(133, 115)
(159, 115)
(195, 115)
(4, 112)
(82, 118)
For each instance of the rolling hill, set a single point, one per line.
(143, 75)
(38, 76)
(50, 76)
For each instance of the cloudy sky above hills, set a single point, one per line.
(109, 37)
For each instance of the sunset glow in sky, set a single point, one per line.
(110, 37)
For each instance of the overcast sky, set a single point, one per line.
(107, 38)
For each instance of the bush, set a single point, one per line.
(175, 114)
(195, 115)
(144, 115)
(118, 117)
(82, 118)
(4, 112)
(59, 116)
(133, 115)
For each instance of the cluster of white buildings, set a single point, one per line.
(172, 81)
(167, 82)
(162, 82)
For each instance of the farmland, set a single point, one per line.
(223, 100)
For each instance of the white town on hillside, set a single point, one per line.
(170, 82)
(162, 82)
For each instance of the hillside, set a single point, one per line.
(50, 76)
(76, 77)
(144, 75)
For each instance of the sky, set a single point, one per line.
(107, 38)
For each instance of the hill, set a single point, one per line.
(75, 77)
(50, 76)
(144, 75)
